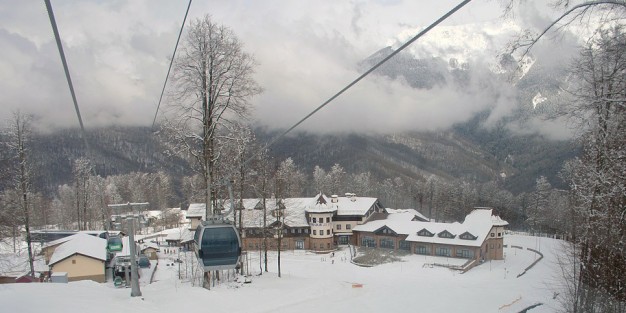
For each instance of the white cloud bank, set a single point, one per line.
(118, 53)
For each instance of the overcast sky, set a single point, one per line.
(118, 53)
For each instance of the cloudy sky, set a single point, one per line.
(118, 53)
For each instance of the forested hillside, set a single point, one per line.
(468, 152)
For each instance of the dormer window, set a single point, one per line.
(467, 236)
(425, 233)
(446, 234)
(385, 231)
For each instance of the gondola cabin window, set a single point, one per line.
(219, 247)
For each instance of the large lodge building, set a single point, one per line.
(322, 223)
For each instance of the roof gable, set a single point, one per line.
(385, 230)
(425, 233)
(83, 244)
(467, 236)
(446, 234)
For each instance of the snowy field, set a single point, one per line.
(320, 283)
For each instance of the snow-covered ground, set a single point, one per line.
(319, 283)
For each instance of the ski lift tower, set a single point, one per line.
(134, 279)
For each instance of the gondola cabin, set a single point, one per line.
(218, 246)
(114, 244)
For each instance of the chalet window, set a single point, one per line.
(422, 250)
(465, 253)
(328, 232)
(445, 234)
(499, 234)
(368, 242)
(492, 234)
(338, 226)
(404, 245)
(314, 220)
(425, 233)
(306, 230)
(387, 243)
(328, 220)
(442, 251)
(73, 261)
(467, 236)
(293, 230)
(348, 226)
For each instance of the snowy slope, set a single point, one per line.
(311, 283)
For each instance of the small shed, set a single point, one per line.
(150, 249)
(83, 258)
(59, 277)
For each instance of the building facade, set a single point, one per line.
(322, 223)
(479, 237)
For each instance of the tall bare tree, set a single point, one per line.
(213, 84)
(81, 171)
(19, 132)
(597, 179)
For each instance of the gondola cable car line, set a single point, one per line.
(216, 224)
(216, 240)
(350, 85)
(170, 67)
(57, 37)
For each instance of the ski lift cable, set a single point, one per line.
(171, 62)
(406, 44)
(57, 37)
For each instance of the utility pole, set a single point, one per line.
(130, 221)
(134, 276)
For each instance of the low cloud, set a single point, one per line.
(118, 55)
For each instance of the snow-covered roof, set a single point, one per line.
(196, 210)
(405, 214)
(294, 212)
(182, 234)
(296, 209)
(147, 245)
(478, 223)
(83, 244)
(59, 241)
(350, 205)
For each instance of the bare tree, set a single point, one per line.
(19, 132)
(81, 171)
(213, 84)
(597, 179)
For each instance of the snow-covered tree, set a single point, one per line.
(213, 83)
(320, 180)
(289, 180)
(19, 135)
(596, 179)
